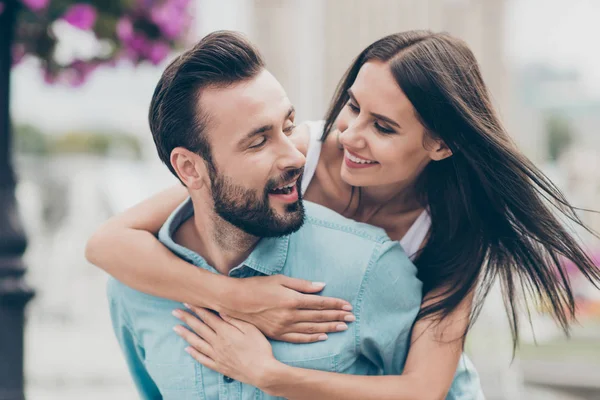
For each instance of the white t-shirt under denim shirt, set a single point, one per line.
(411, 243)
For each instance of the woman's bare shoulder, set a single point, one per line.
(301, 137)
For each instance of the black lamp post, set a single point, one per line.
(14, 293)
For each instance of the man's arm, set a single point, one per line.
(134, 354)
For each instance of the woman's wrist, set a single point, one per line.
(226, 296)
(214, 291)
(274, 377)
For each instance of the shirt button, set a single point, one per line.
(227, 379)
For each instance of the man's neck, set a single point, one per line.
(221, 244)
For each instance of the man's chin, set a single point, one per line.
(290, 219)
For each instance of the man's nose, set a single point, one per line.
(291, 157)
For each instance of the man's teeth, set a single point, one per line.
(291, 185)
(358, 160)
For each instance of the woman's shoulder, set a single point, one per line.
(301, 137)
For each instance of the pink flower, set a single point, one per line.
(170, 19)
(78, 72)
(36, 5)
(157, 52)
(180, 3)
(124, 29)
(136, 47)
(1, 8)
(82, 16)
(139, 43)
(49, 77)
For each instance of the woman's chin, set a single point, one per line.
(351, 179)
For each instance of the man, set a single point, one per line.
(221, 122)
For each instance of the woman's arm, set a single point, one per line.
(126, 248)
(428, 374)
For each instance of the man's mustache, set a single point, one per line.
(287, 176)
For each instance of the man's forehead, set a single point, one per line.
(258, 97)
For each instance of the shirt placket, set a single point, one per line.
(229, 389)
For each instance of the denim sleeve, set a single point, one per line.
(389, 300)
(134, 355)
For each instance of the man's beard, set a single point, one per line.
(251, 211)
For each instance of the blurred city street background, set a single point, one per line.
(85, 153)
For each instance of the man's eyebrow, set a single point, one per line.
(258, 131)
(266, 128)
(379, 116)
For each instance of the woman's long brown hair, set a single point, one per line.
(494, 214)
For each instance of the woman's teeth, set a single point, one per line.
(358, 160)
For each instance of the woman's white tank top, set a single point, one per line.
(414, 237)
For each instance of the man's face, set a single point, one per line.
(257, 169)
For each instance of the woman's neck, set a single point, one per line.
(382, 206)
(383, 202)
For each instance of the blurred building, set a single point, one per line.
(309, 44)
(542, 93)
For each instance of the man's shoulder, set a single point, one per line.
(122, 296)
(319, 218)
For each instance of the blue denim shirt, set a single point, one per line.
(358, 262)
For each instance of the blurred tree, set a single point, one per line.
(28, 139)
(98, 143)
(133, 30)
(560, 135)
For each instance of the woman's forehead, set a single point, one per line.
(376, 88)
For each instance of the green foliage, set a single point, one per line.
(560, 136)
(30, 140)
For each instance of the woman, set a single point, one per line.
(411, 144)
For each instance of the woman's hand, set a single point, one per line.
(227, 345)
(280, 307)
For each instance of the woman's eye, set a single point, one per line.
(353, 107)
(289, 129)
(258, 142)
(382, 129)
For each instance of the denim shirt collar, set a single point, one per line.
(268, 257)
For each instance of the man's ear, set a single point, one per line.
(440, 151)
(190, 168)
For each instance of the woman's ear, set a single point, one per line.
(440, 151)
(190, 168)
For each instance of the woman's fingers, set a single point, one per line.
(208, 317)
(202, 329)
(319, 327)
(303, 338)
(201, 358)
(301, 285)
(315, 302)
(194, 340)
(242, 326)
(323, 316)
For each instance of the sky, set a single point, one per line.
(562, 33)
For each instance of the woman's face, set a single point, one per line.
(384, 142)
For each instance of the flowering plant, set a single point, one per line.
(134, 30)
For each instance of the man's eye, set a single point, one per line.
(258, 142)
(289, 129)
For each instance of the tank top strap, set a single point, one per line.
(313, 153)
